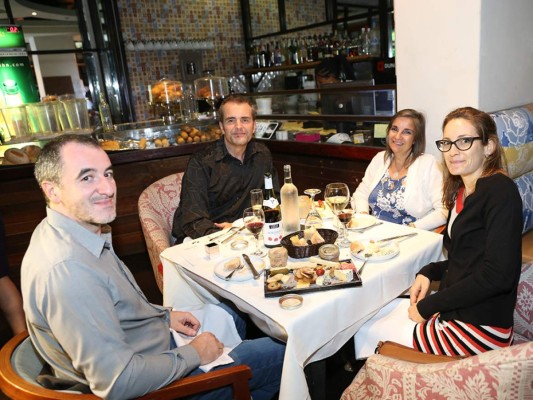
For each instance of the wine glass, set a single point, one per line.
(337, 196)
(313, 218)
(345, 216)
(256, 198)
(254, 219)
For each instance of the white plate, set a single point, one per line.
(361, 221)
(378, 253)
(241, 275)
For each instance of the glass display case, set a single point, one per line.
(342, 113)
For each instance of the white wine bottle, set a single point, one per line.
(290, 215)
(272, 229)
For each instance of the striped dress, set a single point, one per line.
(456, 338)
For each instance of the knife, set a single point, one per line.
(233, 234)
(396, 237)
(222, 234)
(252, 268)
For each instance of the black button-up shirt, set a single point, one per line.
(216, 187)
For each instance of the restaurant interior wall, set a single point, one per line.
(217, 21)
(457, 53)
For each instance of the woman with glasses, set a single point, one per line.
(473, 310)
(402, 184)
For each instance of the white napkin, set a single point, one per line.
(216, 320)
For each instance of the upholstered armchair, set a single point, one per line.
(496, 374)
(157, 204)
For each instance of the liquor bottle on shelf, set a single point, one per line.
(105, 114)
(290, 215)
(272, 233)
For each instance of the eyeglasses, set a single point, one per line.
(462, 144)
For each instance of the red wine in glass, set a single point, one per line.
(345, 217)
(255, 227)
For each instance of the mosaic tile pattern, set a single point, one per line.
(218, 21)
(264, 17)
(304, 12)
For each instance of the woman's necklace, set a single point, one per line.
(396, 173)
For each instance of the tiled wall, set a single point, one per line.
(217, 21)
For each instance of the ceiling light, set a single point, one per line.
(34, 13)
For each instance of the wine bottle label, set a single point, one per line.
(271, 203)
(272, 234)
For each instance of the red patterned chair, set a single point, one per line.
(157, 204)
(497, 374)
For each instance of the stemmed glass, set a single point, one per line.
(313, 218)
(256, 198)
(337, 196)
(345, 216)
(254, 219)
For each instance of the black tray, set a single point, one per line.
(356, 281)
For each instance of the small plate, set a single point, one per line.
(361, 221)
(241, 275)
(378, 253)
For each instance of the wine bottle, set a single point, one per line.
(272, 229)
(290, 217)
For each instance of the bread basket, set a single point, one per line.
(329, 236)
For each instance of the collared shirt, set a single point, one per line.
(89, 319)
(216, 187)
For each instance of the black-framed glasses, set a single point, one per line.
(462, 144)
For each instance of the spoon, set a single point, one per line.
(228, 277)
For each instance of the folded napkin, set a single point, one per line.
(216, 320)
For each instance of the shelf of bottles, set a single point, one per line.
(307, 51)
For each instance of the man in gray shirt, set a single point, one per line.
(86, 315)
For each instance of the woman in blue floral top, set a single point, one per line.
(402, 184)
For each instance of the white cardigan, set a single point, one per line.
(423, 190)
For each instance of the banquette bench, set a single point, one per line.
(515, 130)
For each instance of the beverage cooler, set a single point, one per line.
(17, 82)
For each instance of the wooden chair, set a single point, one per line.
(157, 204)
(20, 364)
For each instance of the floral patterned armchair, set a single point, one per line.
(496, 374)
(157, 204)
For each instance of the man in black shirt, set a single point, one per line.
(216, 185)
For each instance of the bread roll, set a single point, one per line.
(32, 151)
(16, 156)
(232, 264)
(356, 247)
(309, 232)
(317, 238)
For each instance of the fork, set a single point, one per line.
(367, 255)
(228, 277)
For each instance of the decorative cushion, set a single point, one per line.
(525, 187)
(515, 126)
(497, 374)
(519, 159)
(523, 313)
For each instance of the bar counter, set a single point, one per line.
(22, 204)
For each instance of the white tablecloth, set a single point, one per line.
(325, 321)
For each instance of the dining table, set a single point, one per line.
(326, 320)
